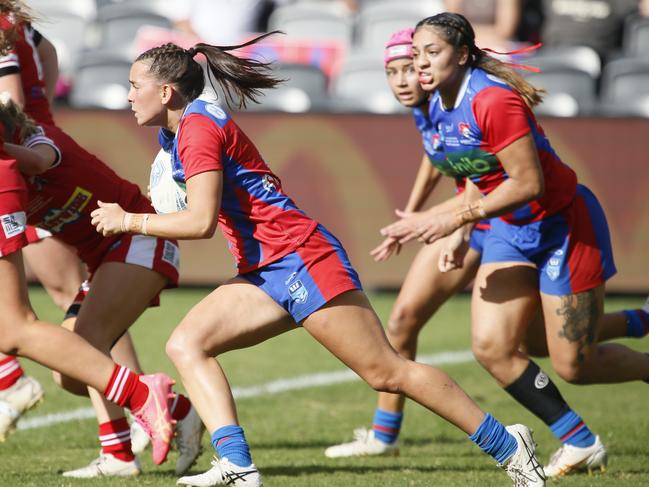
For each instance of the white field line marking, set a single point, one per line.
(320, 379)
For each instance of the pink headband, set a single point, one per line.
(399, 46)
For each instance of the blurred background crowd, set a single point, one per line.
(594, 59)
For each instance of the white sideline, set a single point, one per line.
(320, 379)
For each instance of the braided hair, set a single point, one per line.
(457, 31)
(241, 79)
(19, 14)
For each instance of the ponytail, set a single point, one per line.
(457, 31)
(241, 79)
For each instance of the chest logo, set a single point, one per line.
(57, 218)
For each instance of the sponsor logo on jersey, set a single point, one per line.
(298, 292)
(553, 269)
(541, 380)
(13, 223)
(216, 111)
(57, 218)
(465, 129)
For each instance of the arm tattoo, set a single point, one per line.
(580, 315)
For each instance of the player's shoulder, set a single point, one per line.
(207, 107)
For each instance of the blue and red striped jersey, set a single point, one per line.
(259, 221)
(488, 116)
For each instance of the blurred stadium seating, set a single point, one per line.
(332, 58)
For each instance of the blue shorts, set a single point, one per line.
(477, 239)
(308, 278)
(571, 249)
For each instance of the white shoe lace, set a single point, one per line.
(362, 435)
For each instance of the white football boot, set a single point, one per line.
(364, 444)
(570, 458)
(140, 441)
(22, 396)
(225, 473)
(8, 419)
(106, 466)
(189, 432)
(523, 467)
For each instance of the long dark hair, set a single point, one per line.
(457, 31)
(241, 79)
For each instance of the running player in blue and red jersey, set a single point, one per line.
(22, 334)
(426, 286)
(292, 271)
(550, 243)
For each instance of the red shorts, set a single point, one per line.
(13, 220)
(158, 254)
(35, 234)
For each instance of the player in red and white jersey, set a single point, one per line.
(21, 332)
(292, 271)
(29, 72)
(65, 182)
(30, 81)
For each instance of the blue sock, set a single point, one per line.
(230, 442)
(493, 439)
(386, 425)
(571, 429)
(637, 322)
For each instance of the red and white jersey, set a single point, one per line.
(23, 59)
(62, 198)
(13, 201)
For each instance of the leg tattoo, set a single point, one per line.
(580, 314)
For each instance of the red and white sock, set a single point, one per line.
(115, 438)
(125, 389)
(10, 372)
(180, 407)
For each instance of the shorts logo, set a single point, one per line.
(298, 292)
(553, 269)
(171, 254)
(541, 380)
(14, 223)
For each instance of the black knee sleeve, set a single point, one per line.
(536, 392)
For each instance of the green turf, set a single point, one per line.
(289, 431)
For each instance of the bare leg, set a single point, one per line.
(423, 291)
(505, 300)
(220, 322)
(348, 327)
(58, 268)
(109, 310)
(572, 324)
(22, 334)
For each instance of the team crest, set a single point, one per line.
(270, 183)
(465, 130)
(553, 269)
(298, 292)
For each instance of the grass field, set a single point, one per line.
(288, 431)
